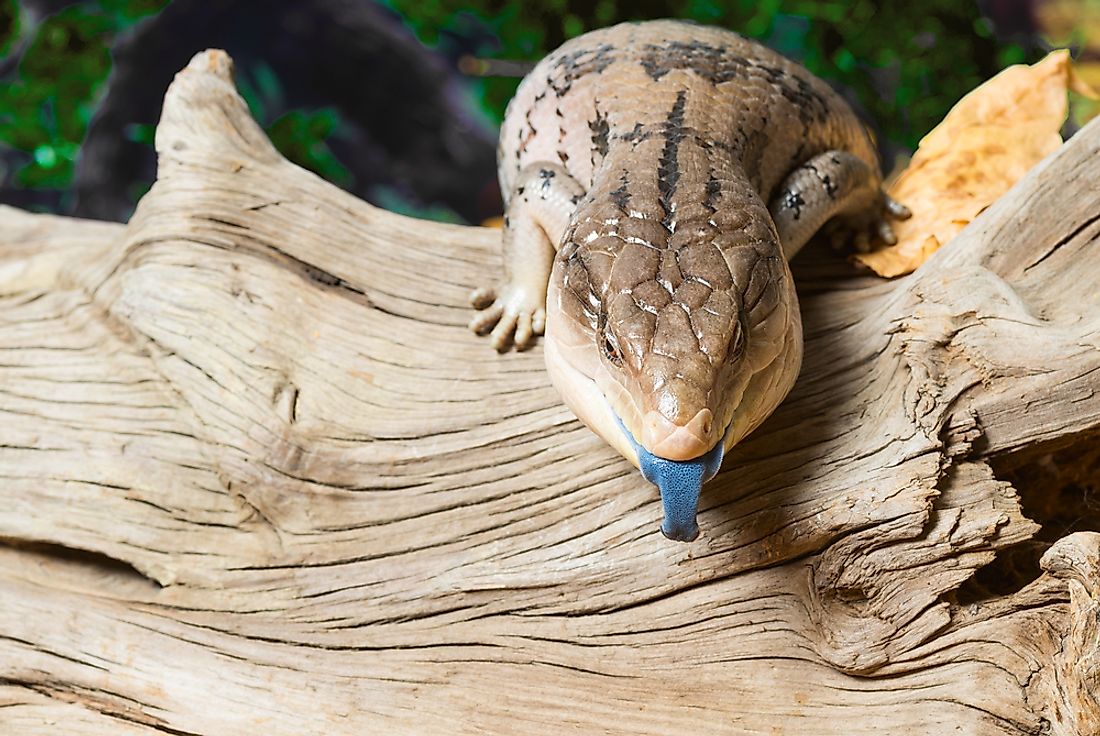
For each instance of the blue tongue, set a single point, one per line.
(680, 482)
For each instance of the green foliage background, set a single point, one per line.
(45, 110)
(906, 62)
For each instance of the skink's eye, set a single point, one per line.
(611, 349)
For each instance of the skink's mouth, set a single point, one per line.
(680, 482)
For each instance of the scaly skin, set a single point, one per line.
(673, 168)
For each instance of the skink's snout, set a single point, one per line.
(672, 441)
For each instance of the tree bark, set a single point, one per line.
(258, 475)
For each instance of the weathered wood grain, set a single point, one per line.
(257, 475)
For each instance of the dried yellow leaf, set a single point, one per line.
(987, 142)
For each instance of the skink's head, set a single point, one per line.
(671, 354)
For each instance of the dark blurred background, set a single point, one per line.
(398, 101)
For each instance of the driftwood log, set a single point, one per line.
(257, 477)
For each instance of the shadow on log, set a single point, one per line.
(314, 503)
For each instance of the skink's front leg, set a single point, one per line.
(836, 186)
(541, 203)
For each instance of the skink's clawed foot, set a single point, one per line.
(860, 231)
(513, 313)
